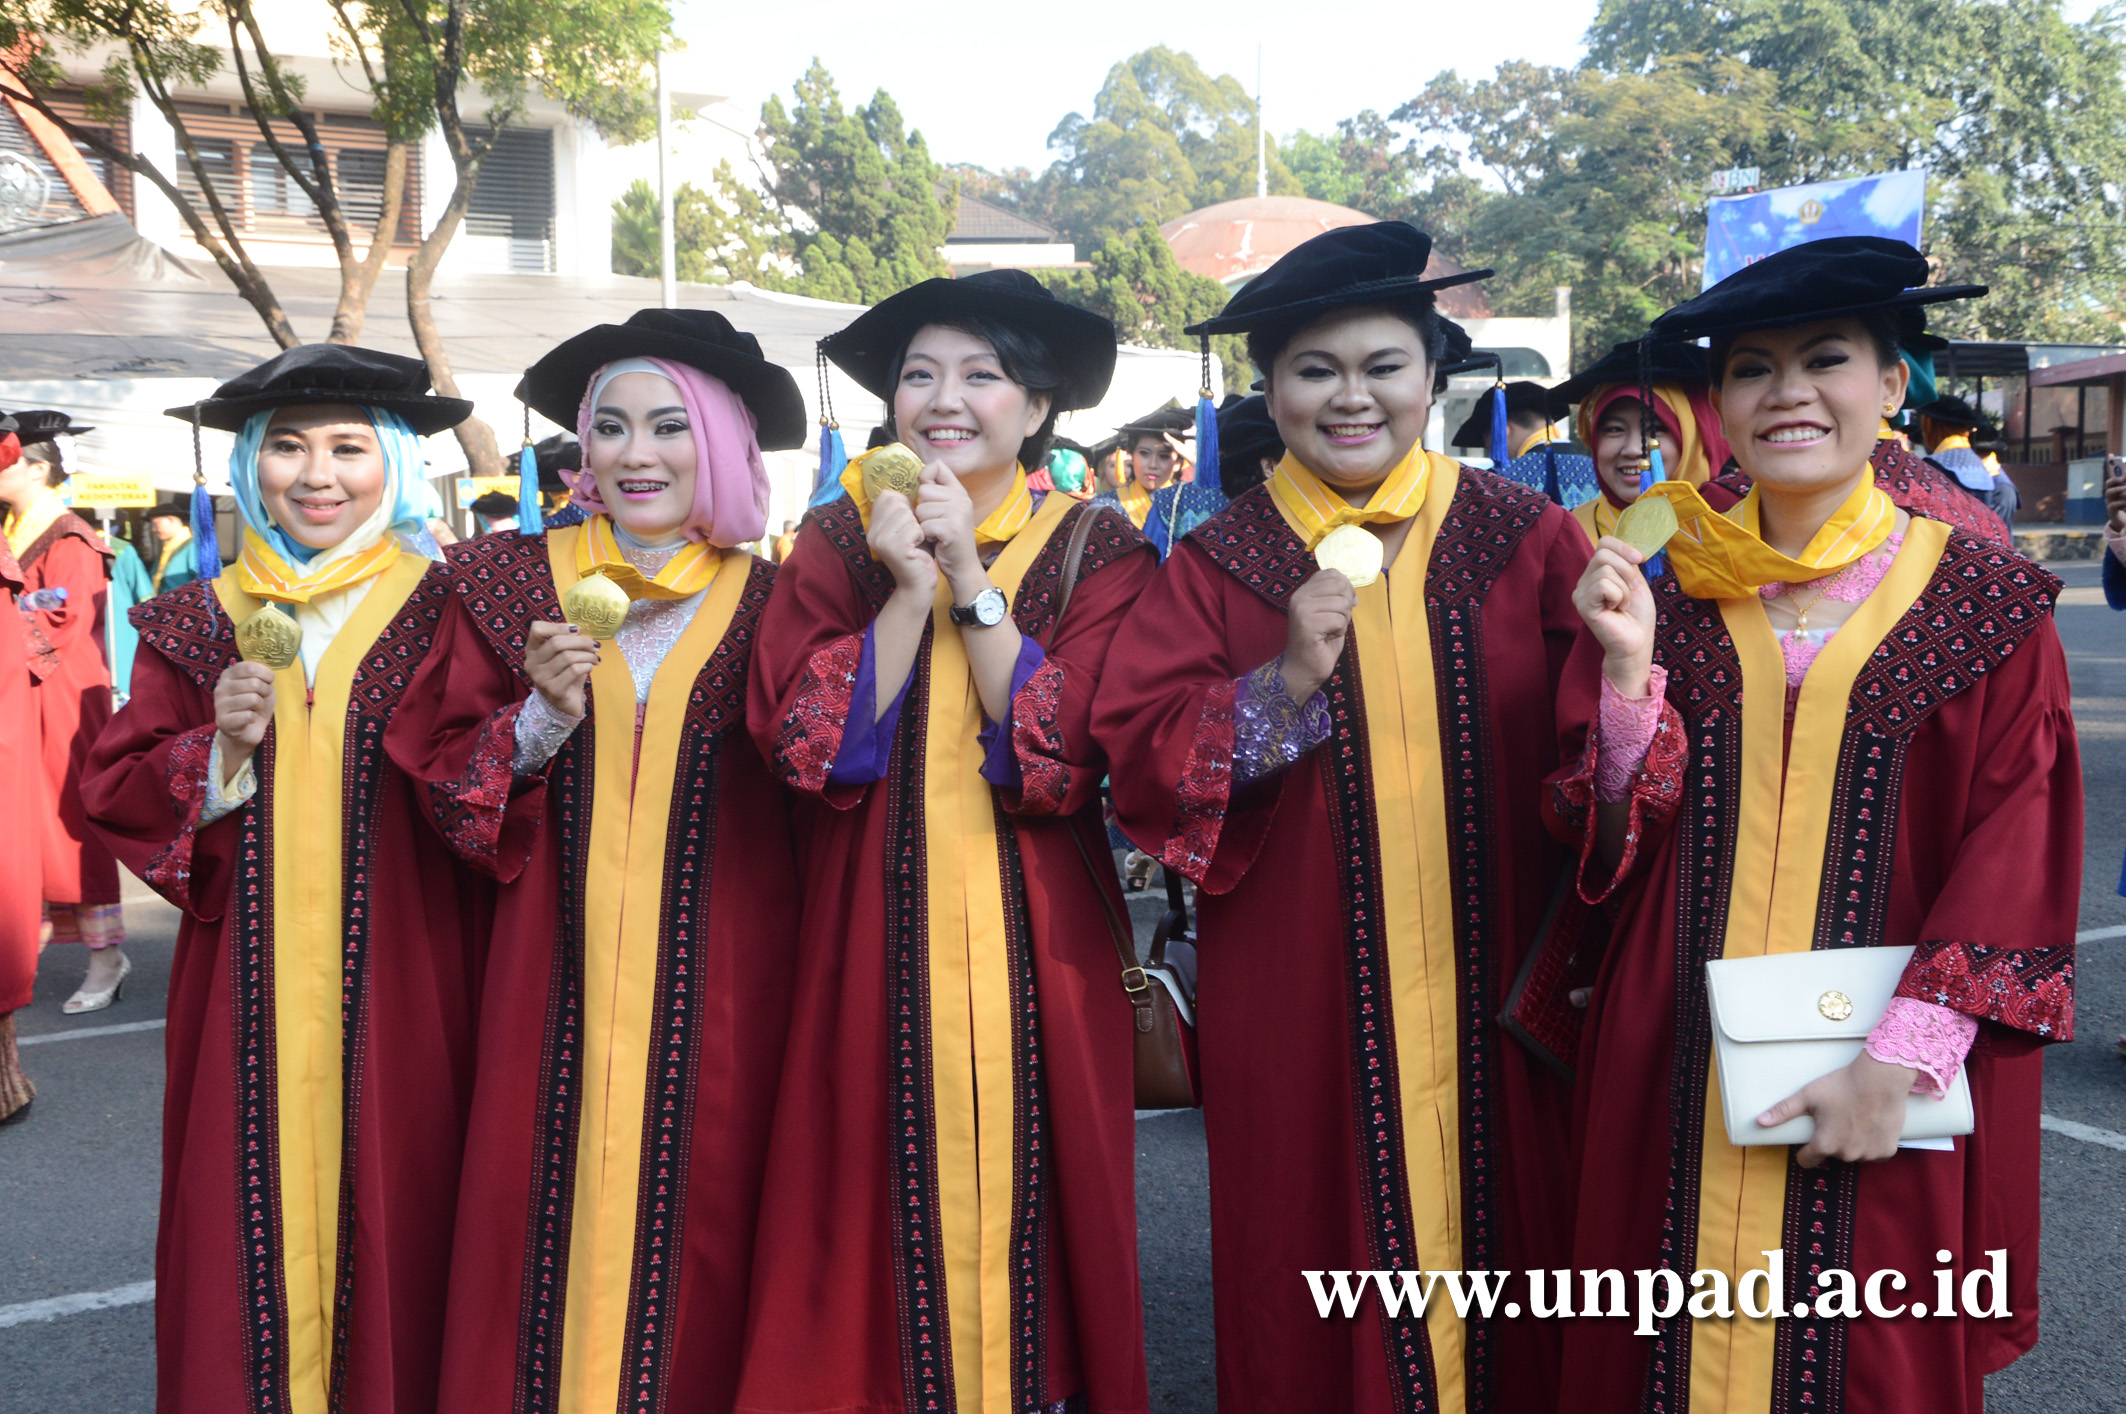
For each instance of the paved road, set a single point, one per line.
(78, 1180)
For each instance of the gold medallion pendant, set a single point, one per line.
(596, 605)
(890, 468)
(1353, 550)
(1647, 524)
(270, 638)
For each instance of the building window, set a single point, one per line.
(273, 191)
(514, 196)
(217, 159)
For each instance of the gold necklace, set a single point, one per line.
(1801, 611)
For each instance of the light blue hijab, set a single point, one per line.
(406, 488)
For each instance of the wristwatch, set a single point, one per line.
(987, 610)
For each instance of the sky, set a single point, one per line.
(990, 91)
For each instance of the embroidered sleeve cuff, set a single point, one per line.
(1205, 788)
(1271, 731)
(220, 799)
(169, 873)
(469, 811)
(1654, 792)
(1926, 1038)
(542, 729)
(2024, 989)
(999, 740)
(1037, 742)
(815, 730)
(1626, 726)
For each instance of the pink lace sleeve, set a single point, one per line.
(1930, 1039)
(1626, 726)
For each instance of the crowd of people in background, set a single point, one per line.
(639, 960)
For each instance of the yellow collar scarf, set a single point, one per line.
(1552, 433)
(1008, 519)
(1955, 441)
(263, 574)
(1136, 502)
(1313, 510)
(169, 548)
(683, 576)
(23, 527)
(1725, 557)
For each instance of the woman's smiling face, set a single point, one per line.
(321, 472)
(954, 404)
(1351, 394)
(1801, 407)
(641, 455)
(1619, 454)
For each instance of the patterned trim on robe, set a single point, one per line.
(1981, 603)
(920, 1294)
(468, 811)
(1915, 484)
(811, 735)
(1484, 526)
(507, 582)
(1037, 740)
(1654, 795)
(186, 626)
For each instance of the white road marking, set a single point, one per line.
(2100, 935)
(87, 1031)
(53, 1307)
(2087, 1133)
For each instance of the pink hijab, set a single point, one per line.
(730, 481)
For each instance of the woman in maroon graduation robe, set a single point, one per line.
(1845, 725)
(321, 997)
(950, 1211)
(1352, 775)
(637, 996)
(59, 551)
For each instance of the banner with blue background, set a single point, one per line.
(1740, 230)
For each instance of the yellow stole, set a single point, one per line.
(683, 576)
(1136, 501)
(1955, 441)
(1784, 828)
(263, 574)
(23, 527)
(308, 769)
(1394, 653)
(1552, 433)
(971, 1002)
(1597, 517)
(623, 900)
(1725, 556)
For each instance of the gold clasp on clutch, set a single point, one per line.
(1835, 1006)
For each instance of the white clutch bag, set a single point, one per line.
(1780, 1022)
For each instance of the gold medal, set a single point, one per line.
(891, 468)
(1647, 524)
(270, 637)
(1354, 550)
(596, 605)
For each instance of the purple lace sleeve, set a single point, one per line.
(1000, 761)
(1270, 730)
(867, 740)
(1932, 1040)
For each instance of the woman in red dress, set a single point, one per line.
(321, 997)
(949, 1220)
(1833, 724)
(638, 984)
(66, 579)
(21, 869)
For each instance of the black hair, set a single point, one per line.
(1885, 330)
(495, 505)
(1024, 359)
(47, 455)
(1420, 312)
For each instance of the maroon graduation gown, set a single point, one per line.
(408, 978)
(1959, 744)
(21, 762)
(844, 1292)
(1289, 869)
(73, 701)
(719, 1004)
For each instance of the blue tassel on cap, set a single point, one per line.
(1500, 450)
(1206, 439)
(530, 519)
(833, 460)
(206, 545)
(1656, 566)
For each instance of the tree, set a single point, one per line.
(1135, 281)
(155, 50)
(867, 208)
(717, 237)
(1164, 139)
(595, 57)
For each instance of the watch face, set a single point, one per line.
(989, 608)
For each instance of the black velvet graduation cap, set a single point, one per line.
(330, 374)
(1173, 418)
(1952, 412)
(1246, 435)
(1083, 342)
(1832, 278)
(1521, 397)
(556, 454)
(1350, 265)
(42, 425)
(1665, 363)
(698, 338)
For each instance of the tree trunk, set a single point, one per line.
(481, 453)
(358, 278)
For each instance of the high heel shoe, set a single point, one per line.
(85, 1000)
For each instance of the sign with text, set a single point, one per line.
(118, 489)
(472, 488)
(1741, 230)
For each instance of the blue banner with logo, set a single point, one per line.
(1740, 230)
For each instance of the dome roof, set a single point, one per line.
(1235, 241)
